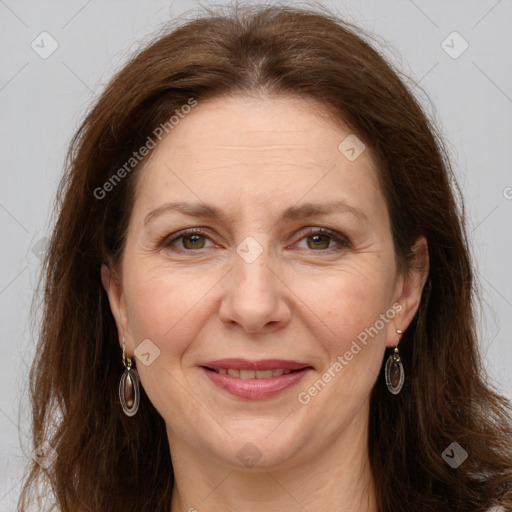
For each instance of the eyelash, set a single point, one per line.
(166, 242)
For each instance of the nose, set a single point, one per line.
(255, 297)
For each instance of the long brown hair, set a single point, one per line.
(109, 462)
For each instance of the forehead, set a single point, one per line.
(258, 151)
(266, 128)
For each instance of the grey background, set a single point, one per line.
(43, 100)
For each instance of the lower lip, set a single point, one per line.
(256, 389)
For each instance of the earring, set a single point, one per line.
(129, 387)
(394, 369)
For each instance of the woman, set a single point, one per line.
(258, 293)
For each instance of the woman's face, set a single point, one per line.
(298, 266)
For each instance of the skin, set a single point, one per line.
(253, 158)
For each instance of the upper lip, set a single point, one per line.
(246, 364)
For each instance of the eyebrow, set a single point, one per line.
(302, 211)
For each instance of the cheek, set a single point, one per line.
(350, 299)
(170, 309)
(167, 306)
(349, 314)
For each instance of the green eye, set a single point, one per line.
(321, 239)
(194, 241)
(317, 239)
(191, 239)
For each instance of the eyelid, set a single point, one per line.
(341, 239)
(167, 240)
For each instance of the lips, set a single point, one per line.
(255, 379)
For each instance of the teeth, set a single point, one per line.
(252, 374)
(263, 374)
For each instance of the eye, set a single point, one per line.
(321, 240)
(317, 239)
(191, 239)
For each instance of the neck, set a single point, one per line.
(338, 478)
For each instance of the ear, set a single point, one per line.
(113, 286)
(409, 289)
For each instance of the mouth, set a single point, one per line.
(255, 380)
(246, 374)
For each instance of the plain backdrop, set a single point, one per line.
(464, 80)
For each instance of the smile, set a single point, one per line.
(254, 380)
(252, 374)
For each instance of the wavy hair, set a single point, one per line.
(107, 462)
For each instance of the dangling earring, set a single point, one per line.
(394, 369)
(129, 390)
